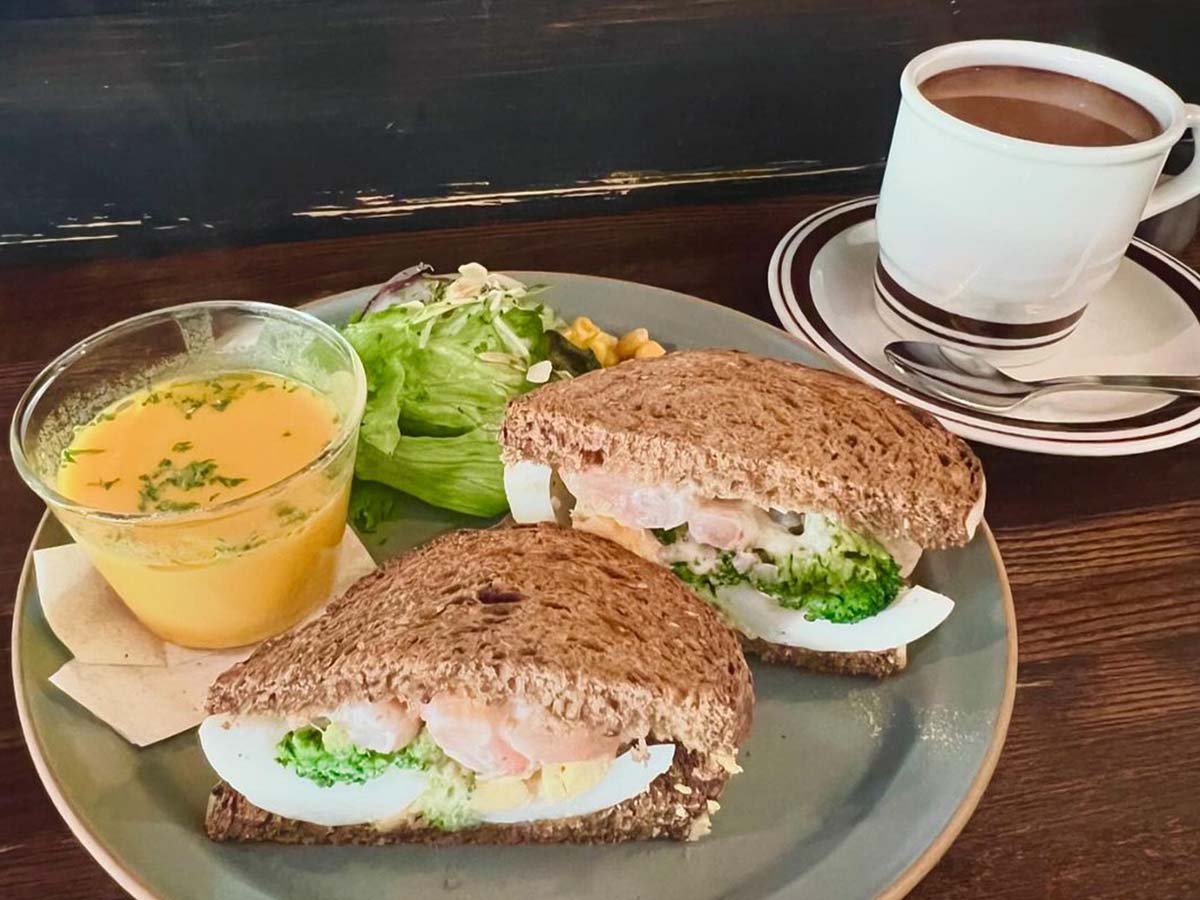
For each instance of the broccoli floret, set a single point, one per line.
(852, 579)
(722, 572)
(668, 536)
(846, 588)
(326, 756)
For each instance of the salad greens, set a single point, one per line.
(443, 358)
(850, 579)
(326, 756)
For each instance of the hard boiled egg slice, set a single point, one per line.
(242, 751)
(528, 488)
(626, 778)
(913, 614)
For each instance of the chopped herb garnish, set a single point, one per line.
(181, 447)
(196, 474)
(174, 506)
(287, 434)
(69, 454)
(225, 549)
(263, 386)
(290, 515)
(101, 483)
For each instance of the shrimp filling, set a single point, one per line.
(804, 562)
(477, 762)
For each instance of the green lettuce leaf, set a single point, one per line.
(462, 472)
(371, 504)
(439, 375)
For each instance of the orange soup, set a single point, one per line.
(204, 574)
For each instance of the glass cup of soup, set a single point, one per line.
(202, 456)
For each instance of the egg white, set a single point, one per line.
(626, 778)
(528, 488)
(242, 751)
(243, 754)
(914, 613)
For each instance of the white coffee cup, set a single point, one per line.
(995, 244)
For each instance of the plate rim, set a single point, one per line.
(962, 421)
(91, 843)
(904, 882)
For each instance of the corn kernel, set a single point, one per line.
(604, 346)
(630, 341)
(607, 358)
(603, 339)
(585, 328)
(574, 337)
(649, 350)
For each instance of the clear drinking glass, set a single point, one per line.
(238, 571)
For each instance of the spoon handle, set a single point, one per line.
(1180, 385)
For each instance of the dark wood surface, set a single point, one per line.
(142, 126)
(1097, 794)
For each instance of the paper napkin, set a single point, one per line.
(144, 688)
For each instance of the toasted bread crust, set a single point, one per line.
(864, 662)
(777, 434)
(555, 617)
(663, 811)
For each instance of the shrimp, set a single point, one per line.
(384, 726)
(546, 739)
(728, 524)
(470, 733)
(630, 503)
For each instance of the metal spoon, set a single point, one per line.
(975, 382)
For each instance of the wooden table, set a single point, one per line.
(1097, 793)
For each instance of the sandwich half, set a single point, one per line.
(513, 685)
(795, 500)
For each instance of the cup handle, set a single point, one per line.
(1186, 184)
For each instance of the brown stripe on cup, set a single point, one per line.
(946, 333)
(903, 302)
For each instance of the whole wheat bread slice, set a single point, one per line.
(878, 664)
(677, 805)
(777, 434)
(555, 617)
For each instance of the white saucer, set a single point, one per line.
(1147, 320)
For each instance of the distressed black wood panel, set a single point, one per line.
(136, 127)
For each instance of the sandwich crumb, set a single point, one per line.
(700, 827)
(728, 763)
(680, 811)
(713, 806)
(640, 752)
(683, 789)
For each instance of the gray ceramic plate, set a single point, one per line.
(852, 789)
